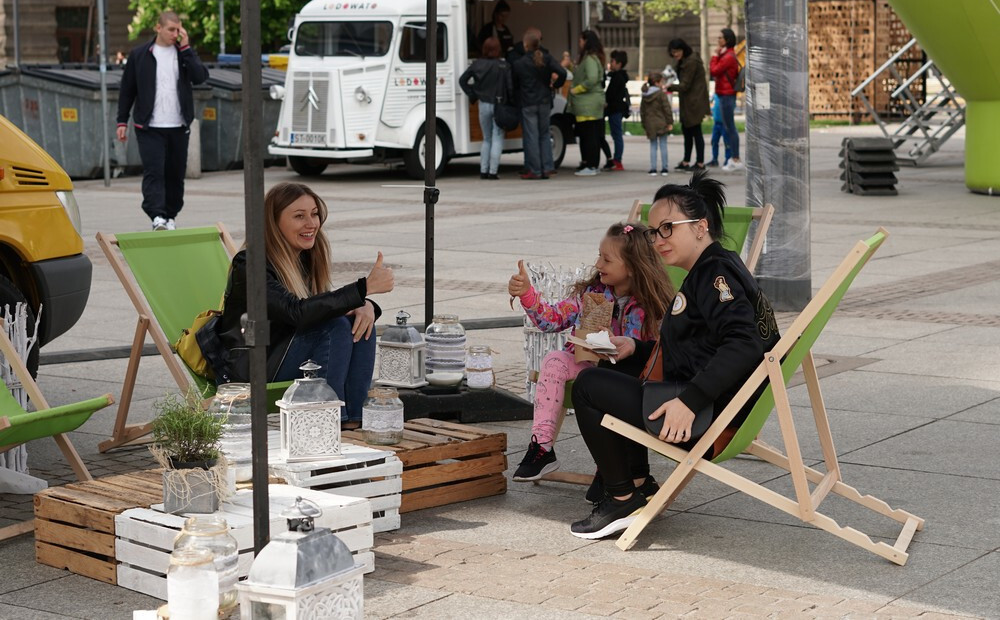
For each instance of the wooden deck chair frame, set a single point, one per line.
(124, 433)
(763, 216)
(806, 502)
(41, 404)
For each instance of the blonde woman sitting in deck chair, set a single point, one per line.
(306, 319)
(713, 338)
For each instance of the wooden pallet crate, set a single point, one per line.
(446, 462)
(145, 536)
(361, 471)
(75, 523)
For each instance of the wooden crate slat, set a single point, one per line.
(84, 498)
(75, 538)
(450, 494)
(118, 493)
(424, 439)
(443, 473)
(55, 509)
(456, 450)
(455, 426)
(79, 563)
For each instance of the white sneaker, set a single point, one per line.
(171, 225)
(586, 172)
(733, 166)
(159, 223)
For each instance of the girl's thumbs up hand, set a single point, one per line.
(520, 282)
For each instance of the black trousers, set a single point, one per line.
(164, 160)
(693, 135)
(599, 391)
(590, 133)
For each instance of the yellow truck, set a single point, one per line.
(41, 250)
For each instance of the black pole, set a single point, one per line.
(431, 193)
(255, 332)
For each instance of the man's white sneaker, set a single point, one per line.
(159, 223)
(587, 172)
(733, 166)
(171, 225)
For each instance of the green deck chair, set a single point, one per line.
(170, 276)
(736, 222)
(794, 350)
(18, 426)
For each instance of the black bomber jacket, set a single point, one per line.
(716, 333)
(138, 85)
(285, 314)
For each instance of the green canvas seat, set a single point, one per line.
(793, 351)
(18, 426)
(170, 276)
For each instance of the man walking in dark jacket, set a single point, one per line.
(535, 75)
(156, 89)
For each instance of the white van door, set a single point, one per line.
(406, 78)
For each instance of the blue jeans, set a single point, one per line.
(489, 153)
(536, 140)
(662, 142)
(617, 135)
(719, 131)
(348, 365)
(728, 105)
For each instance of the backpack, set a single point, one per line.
(740, 83)
(506, 114)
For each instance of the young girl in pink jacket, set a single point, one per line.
(627, 273)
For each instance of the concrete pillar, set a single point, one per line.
(194, 152)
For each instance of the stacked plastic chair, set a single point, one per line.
(869, 166)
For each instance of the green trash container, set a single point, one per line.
(222, 117)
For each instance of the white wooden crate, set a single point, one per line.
(359, 472)
(145, 536)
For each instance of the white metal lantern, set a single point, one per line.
(401, 351)
(310, 418)
(303, 573)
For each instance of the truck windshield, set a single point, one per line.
(343, 39)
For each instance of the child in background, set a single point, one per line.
(657, 120)
(718, 131)
(627, 273)
(617, 106)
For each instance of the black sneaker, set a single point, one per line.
(609, 517)
(648, 488)
(536, 463)
(610, 165)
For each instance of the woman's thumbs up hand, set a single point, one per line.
(380, 280)
(520, 282)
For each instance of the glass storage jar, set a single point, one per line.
(445, 360)
(232, 404)
(382, 417)
(211, 532)
(479, 367)
(192, 585)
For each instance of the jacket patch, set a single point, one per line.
(725, 293)
(767, 326)
(680, 304)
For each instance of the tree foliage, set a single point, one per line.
(667, 10)
(201, 20)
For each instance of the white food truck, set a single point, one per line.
(354, 91)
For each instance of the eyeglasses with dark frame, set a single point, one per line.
(664, 230)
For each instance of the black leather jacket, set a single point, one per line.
(286, 313)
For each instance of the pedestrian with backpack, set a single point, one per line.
(725, 70)
(489, 75)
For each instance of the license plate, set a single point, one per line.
(308, 138)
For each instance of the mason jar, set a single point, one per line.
(192, 585)
(445, 362)
(382, 417)
(211, 532)
(231, 403)
(479, 367)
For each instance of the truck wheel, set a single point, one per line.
(308, 166)
(10, 295)
(557, 133)
(414, 158)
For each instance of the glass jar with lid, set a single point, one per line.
(211, 532)
(445, 360)
(231, 403)
(479, 367)
(192, 585)
(382, 417)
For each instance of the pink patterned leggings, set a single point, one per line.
(558, 367)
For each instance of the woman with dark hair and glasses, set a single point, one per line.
(692, 89)
(716, 333)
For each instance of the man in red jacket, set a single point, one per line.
(725, 68)
(156, 90)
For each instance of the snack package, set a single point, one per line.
(595, 316)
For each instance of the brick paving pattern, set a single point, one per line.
(602, 589)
